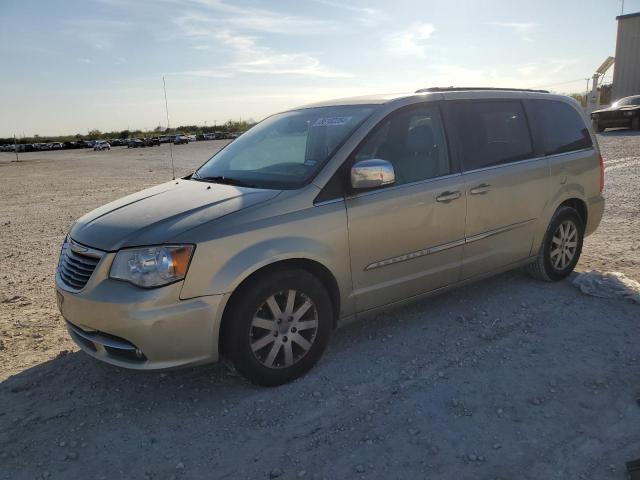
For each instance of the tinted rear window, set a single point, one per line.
(491, 133)
(561, 126)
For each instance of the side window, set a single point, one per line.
(491, 133)
(413, 141)
(561, 126)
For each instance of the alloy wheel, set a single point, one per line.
(564, 244)
(283, 329)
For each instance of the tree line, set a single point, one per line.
(95, 134)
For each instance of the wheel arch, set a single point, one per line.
(317, 269)
(566, 198)
(577, 204)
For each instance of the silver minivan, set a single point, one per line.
(324, 213)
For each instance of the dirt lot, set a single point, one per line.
(508, 378)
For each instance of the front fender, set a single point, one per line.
(318, 234)
(246, 262)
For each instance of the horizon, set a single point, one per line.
(99, 64)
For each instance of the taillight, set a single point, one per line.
(601, 173)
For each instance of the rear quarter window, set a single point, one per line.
(560, 125)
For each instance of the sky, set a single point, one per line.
(70, 66)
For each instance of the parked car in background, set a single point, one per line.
(165, 139)
(73, 145)
(100, 145)
(57, 145)
(266, 248)
(136, 143)
(180, 139)
(209, 136)
(623, 113)
(152, 142)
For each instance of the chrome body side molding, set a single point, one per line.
(445, 246)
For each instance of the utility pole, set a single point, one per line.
(622, 8)
(166, 106)
(586, 94)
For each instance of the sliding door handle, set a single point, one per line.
(447, 196)
(480, 189)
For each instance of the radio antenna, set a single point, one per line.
(166, 106)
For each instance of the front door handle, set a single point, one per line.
(480, 189)
(447, 196)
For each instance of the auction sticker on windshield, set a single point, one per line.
(332, 121)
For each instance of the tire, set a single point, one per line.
(597, 127)
(251, 346)
(547, 266)
(635, 123)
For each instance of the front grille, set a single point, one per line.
(76, 264)
(610, 115)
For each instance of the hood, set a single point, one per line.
(159, 213)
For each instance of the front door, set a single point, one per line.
(407, 238)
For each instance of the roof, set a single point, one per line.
(491, 89)
(628, 15)
(361, 100)
(453, 92)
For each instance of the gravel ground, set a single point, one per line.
(507, 378)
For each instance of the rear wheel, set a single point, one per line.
(561, 246)
(278, 326)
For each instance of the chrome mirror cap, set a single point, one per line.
(372, 173)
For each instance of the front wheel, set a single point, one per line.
(561, 246)
(278, 326)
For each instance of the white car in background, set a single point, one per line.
(101, 145)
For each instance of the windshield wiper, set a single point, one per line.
(224, 181)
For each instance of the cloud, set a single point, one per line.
(524, 30)
(363, 15)
(411, 42)
(247, 54)
(238, 36)
(256, 19)
(100, 34)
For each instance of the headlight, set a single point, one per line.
(152, 266)
(627, 114)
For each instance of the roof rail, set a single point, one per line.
(458, 89)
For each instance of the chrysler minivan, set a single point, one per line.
(325, 213)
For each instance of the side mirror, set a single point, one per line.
(372, 173)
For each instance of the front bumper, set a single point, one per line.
(616, 122)
(143, 329)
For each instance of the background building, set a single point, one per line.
(626, 76)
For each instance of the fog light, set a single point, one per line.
(139, 353)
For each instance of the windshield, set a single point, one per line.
(285, 150)
(627, 101)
